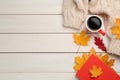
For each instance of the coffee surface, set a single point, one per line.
(94, 23)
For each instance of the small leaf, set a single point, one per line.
(95, 72)
(116, 29)
(78, 60)
(111, 62)
(105, 58)
(85, 56)
(81, 39)
(92, 51)
(118, 22)
(79, 63)
(100, 44)
(107, 61)
(77, 67)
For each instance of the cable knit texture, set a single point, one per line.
(74, 16)
(109, 10)
(114, 47)
(75, 12)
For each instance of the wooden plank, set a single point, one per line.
(33, 24)
(30, 6)
(43, 43)
(38, 76)
(42, 62)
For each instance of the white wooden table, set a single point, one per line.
(33, 43)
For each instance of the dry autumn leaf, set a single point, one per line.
(111, 62)
(92, 51)
(106, 60)
(81, 39)
(85, 56)
(95, 71)
(118, 22)
(116, 29)
(80, 61)
(100, 44)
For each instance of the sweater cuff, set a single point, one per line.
(114, 47)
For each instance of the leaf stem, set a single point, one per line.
(78, 50)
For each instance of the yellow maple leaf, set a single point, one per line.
(104, 58)
(80, 61)
(85, 56)
(107, 61)
(92, 51)
(81, 39)
(118, 22)
(95, 71)
(111, 62)
(116, 29)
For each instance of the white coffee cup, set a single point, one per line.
(94, 23)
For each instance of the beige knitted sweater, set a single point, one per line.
(76, 11)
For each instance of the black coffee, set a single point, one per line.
(94, 23)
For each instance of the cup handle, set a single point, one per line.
(101, 32)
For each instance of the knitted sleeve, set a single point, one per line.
(72, 15)
(109, 10)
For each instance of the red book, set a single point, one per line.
(107, 72)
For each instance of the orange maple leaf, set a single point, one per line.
(116, 29)
(106, 60)
(81, 39)
(92, 51)
(118, 22)
(80, 61)
(95, 71)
